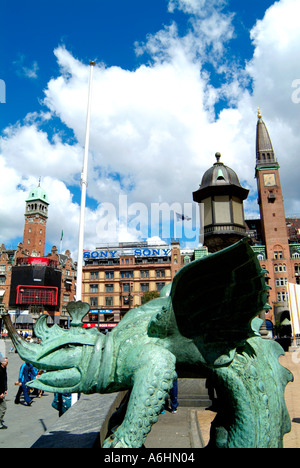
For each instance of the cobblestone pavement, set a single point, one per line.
(25, 424)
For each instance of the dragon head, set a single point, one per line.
(68, 356)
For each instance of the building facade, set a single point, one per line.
(117, 278)
(31, 283)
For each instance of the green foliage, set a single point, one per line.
(149, 296)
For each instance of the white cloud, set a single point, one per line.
(209, 31)
(24, 70)
(153, 129)
(198, 7)
(29, 151)
(274, 67)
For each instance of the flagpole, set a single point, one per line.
(83, 191)
(61, 239)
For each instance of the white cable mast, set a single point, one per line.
(83, 190)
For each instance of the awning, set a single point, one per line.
(24, 319)
(21, 318)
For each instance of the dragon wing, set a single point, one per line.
(216, 298)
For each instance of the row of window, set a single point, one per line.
(279, 268)
(128, 274)
(109, 288)
(278, 256)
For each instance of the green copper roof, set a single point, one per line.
(38, 194)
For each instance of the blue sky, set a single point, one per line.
(105, 30)
(176, 81)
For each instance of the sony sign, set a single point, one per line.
(144, 252)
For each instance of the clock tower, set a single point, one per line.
(270, 196)
(36, 216)
(277, 259)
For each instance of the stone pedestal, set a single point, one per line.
(192, 392)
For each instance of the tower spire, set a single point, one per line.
(265, 155)
(259, 116)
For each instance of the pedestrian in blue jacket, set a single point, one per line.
(27, 373)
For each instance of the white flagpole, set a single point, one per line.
(61, 239)
(83, 191)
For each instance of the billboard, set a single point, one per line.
(117, 253)
(35, 284)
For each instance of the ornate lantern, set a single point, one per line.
(221, 197)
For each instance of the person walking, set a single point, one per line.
(3, 390)
(27, 373)
(174, 397)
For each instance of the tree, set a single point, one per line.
(148, 296)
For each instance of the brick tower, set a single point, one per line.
(36, 215)
(270, 196)
(273, 222)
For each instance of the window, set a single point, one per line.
(109, 301)
(2, 279)
(109, 275)
(93, 301)
(109, 318)
(281, 282)
(144, 287)
(160, 273)
(94, 275)
(109, 288)
(279, 268)
(126, 274)
(2, 268)
(282, 296)
(144, 273)
(160, 286)
(126, 287)
(278, 255)
(94, 288)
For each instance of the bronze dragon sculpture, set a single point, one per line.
(207, 319)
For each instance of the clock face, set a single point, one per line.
(269, 180)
